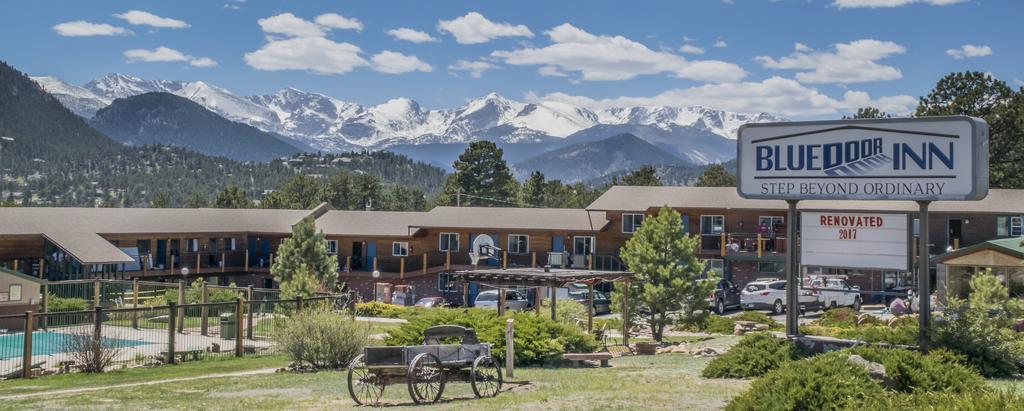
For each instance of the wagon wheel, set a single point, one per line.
(485, 377)
(364, 386)
(425, 378)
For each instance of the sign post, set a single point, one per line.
(915, 159)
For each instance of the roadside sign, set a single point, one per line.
(920, 159)
(854, 240)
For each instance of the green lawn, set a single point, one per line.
(670, 381)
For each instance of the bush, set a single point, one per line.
(92, 354)
(913, 371)
(566, 311)
(828, 381)
(904, 332)
(717, 324)
(321, 338)
(843, 317)
(755, 355)
(972, 400)
(384, 310)
(538, 340)
(55, 304)
(992, 350)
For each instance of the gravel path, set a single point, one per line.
(72, 391)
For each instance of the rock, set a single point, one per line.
(1018, 325)
(707, 352)
(874, 369)
(681, 349)
(743, 327)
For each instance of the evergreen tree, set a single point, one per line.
(300, 193)
(868, 112)
(534, 190)
(668, 271)
(716, 176)
(197, 200)
(367, 192)
(339, 191)
(305, 254)
(160, 200)
(232, 197)
(483, 175)
(980, 95)
(643, 176)
(401, 198)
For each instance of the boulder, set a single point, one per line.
(874, 369)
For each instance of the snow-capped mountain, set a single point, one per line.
(329, 124)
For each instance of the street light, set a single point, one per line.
(376, 275)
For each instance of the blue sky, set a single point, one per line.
(803, 59)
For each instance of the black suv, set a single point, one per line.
(725, 296)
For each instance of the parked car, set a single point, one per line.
(835, 292)
(725, 296)
(514, 300)
(431, 302)
(770, 294)
(602, 304)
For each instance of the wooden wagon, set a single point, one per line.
(425, 369)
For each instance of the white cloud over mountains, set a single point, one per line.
(774, 95)
(397, 63)
(144, 18)
(853, 62)
(969, 50)
(474, 28)
(166, 54)
(475, 69)
(82, 28)
(607, 58)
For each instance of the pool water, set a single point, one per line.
(46, 343)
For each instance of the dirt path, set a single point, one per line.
(72, 391)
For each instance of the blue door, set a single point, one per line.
(557, 244)
(686, 223)
(371, 250)
(265, 251)
(161, 253)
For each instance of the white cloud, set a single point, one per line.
(231, 6)
(1018, 82)
(166, 54)
(874, 4)
(156, 55)
(397, 63)
(852, 62)
(969, 50)
(337, 21)
(415, 36)
(604, 58)
(551, 71)
(315, 54)
(288, 24)
(203, 62)
(474, 28)
(720, 44)
(476, 69)
(84, 28)
(144, 18)
(691, 49)
(773, 95)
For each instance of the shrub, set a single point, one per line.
(87, 350)
(758, 317)
(828, 381)
(379, 309)
(755, 355)
(914, 371)
(972, 400)
(56, 304)
(989, 348)
(904, 334)
(537, 339)
(566, 311)
(843, 317)
(321, 338)
(717, 324)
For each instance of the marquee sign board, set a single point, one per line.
(854, 240)
(927, 158)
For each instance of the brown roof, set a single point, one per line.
(38, 220)
(569, 219)
(635, 198)
(88, 248)
(369, 223)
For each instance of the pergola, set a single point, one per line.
(552, 278)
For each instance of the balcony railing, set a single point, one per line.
(743, 244)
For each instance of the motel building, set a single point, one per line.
(415, 252)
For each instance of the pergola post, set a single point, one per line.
(625, 313)
(590, 308)
(501, 302)
(554, 300)
(539, 298)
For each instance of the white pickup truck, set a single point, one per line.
(836, 292)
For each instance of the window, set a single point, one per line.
(771, 222)
(1002, 226)
(518, 244)
(192, 245)
(583, 245)
(400, 249)
(771, 267)
(630, 222)
(781, 285)
(715, 265)
(753, 288)
(1015, 226)
(15, 294)
(332, 246)
(449, 242)
(712, 224)
(444, 282)
(229, 244)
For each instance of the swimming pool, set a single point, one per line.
(46, 343)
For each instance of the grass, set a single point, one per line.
(669, 381)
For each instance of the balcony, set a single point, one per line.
(200, 263)
(743, 245)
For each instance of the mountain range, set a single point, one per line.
(695, 134)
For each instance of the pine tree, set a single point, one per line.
(483, 175)
(300, 193)
(716, 176)
(160, 200)
(643, 176)
(305, 254)
(402, 198)
(668, 271)
(868, 112)
(534, 190)
(232, 197)
(197, 200)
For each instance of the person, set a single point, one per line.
(898, 307)
(734, 245)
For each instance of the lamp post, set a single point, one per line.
(376, 275)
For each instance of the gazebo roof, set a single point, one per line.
(538, 277)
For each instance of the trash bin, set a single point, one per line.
(228, 326)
